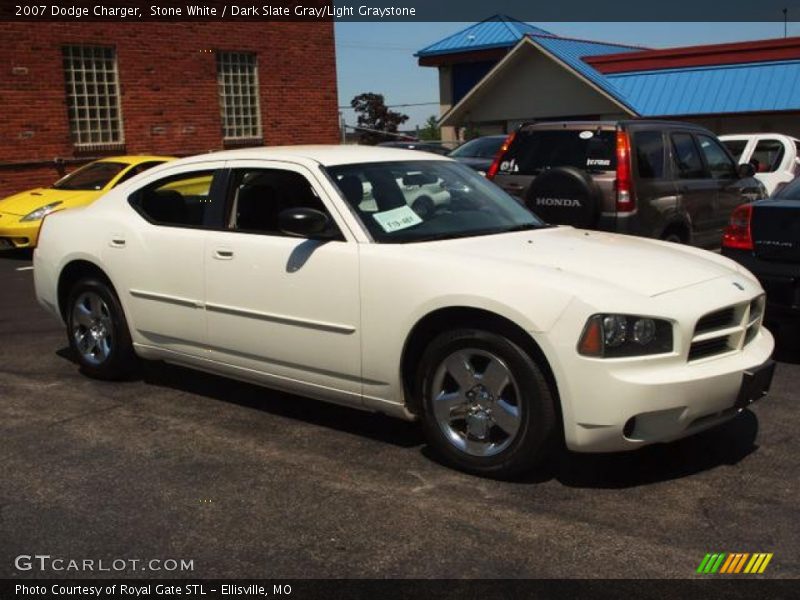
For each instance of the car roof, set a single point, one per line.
(612, 124)
(329, 155)
(749, 136)
(132, 159)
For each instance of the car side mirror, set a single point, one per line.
(746, 170)
(305, 222)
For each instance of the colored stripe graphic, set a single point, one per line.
(703, 563)
(764, 564)
(730, 564)
(727, 564)
(734, 562)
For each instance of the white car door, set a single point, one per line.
(773, 158)
(284, 307)
(159, 251)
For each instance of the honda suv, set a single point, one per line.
(666, 180)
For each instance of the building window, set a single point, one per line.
(238, 96)
(93, 98)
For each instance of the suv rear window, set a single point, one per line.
(535, 150)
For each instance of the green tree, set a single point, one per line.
(373, 114)
(431, 130)
(471, 132)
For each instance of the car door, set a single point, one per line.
(772, 161)
(160, 252)
(731, 188)
(285, 307)
(697, 191)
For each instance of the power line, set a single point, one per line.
(398, 105)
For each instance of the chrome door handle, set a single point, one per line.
(223, 254)
(117, 242)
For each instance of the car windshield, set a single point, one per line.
(415, 201)
(94, 176)
(485, 147)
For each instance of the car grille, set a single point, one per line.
(716, 320)
(726, 330)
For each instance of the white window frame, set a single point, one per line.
(239, 102)
(93, 96)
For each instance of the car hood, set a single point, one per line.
(25, 202)
(638, 265)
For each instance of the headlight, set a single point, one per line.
(616, 336)
(40, 213)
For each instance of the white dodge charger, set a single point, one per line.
(502, 334)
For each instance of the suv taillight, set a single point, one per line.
(495, 166)
(737, 234)
(626, 201)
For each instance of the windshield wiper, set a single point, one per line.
(476, 233)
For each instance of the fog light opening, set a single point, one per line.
(627, 431)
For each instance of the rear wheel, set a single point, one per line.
(488, 409)
(676, 236)
(98, 332)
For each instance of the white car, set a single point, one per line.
(774, 156)
(502, 334)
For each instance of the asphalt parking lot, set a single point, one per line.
(251, 483)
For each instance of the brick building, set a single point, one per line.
(71, 92)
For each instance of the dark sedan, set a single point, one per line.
(479, 153)
(764, 237)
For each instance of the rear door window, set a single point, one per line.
(650, 155)
(533, 151)
(736, 147)
(183, 200)
(768, 156)
(719, 163)
(688, 164)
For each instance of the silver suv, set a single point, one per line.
(667, 180)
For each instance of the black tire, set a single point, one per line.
(675, 236)
(565, 196)
(537, 431)
(120, 360)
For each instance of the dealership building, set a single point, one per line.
(71, 92)
(501, 72)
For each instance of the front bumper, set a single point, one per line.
(612, 405)
(16, 234)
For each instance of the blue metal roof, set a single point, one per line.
(498, 31)
(702, 90)
(751, 87)
(571, 52)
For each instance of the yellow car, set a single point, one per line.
(21, 214)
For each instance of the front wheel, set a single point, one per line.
(487, 407)
(98, 332)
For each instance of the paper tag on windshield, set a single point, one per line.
(397, 219)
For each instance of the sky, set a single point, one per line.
(379, 57)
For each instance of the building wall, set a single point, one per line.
(532, 87)
(168, 84)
